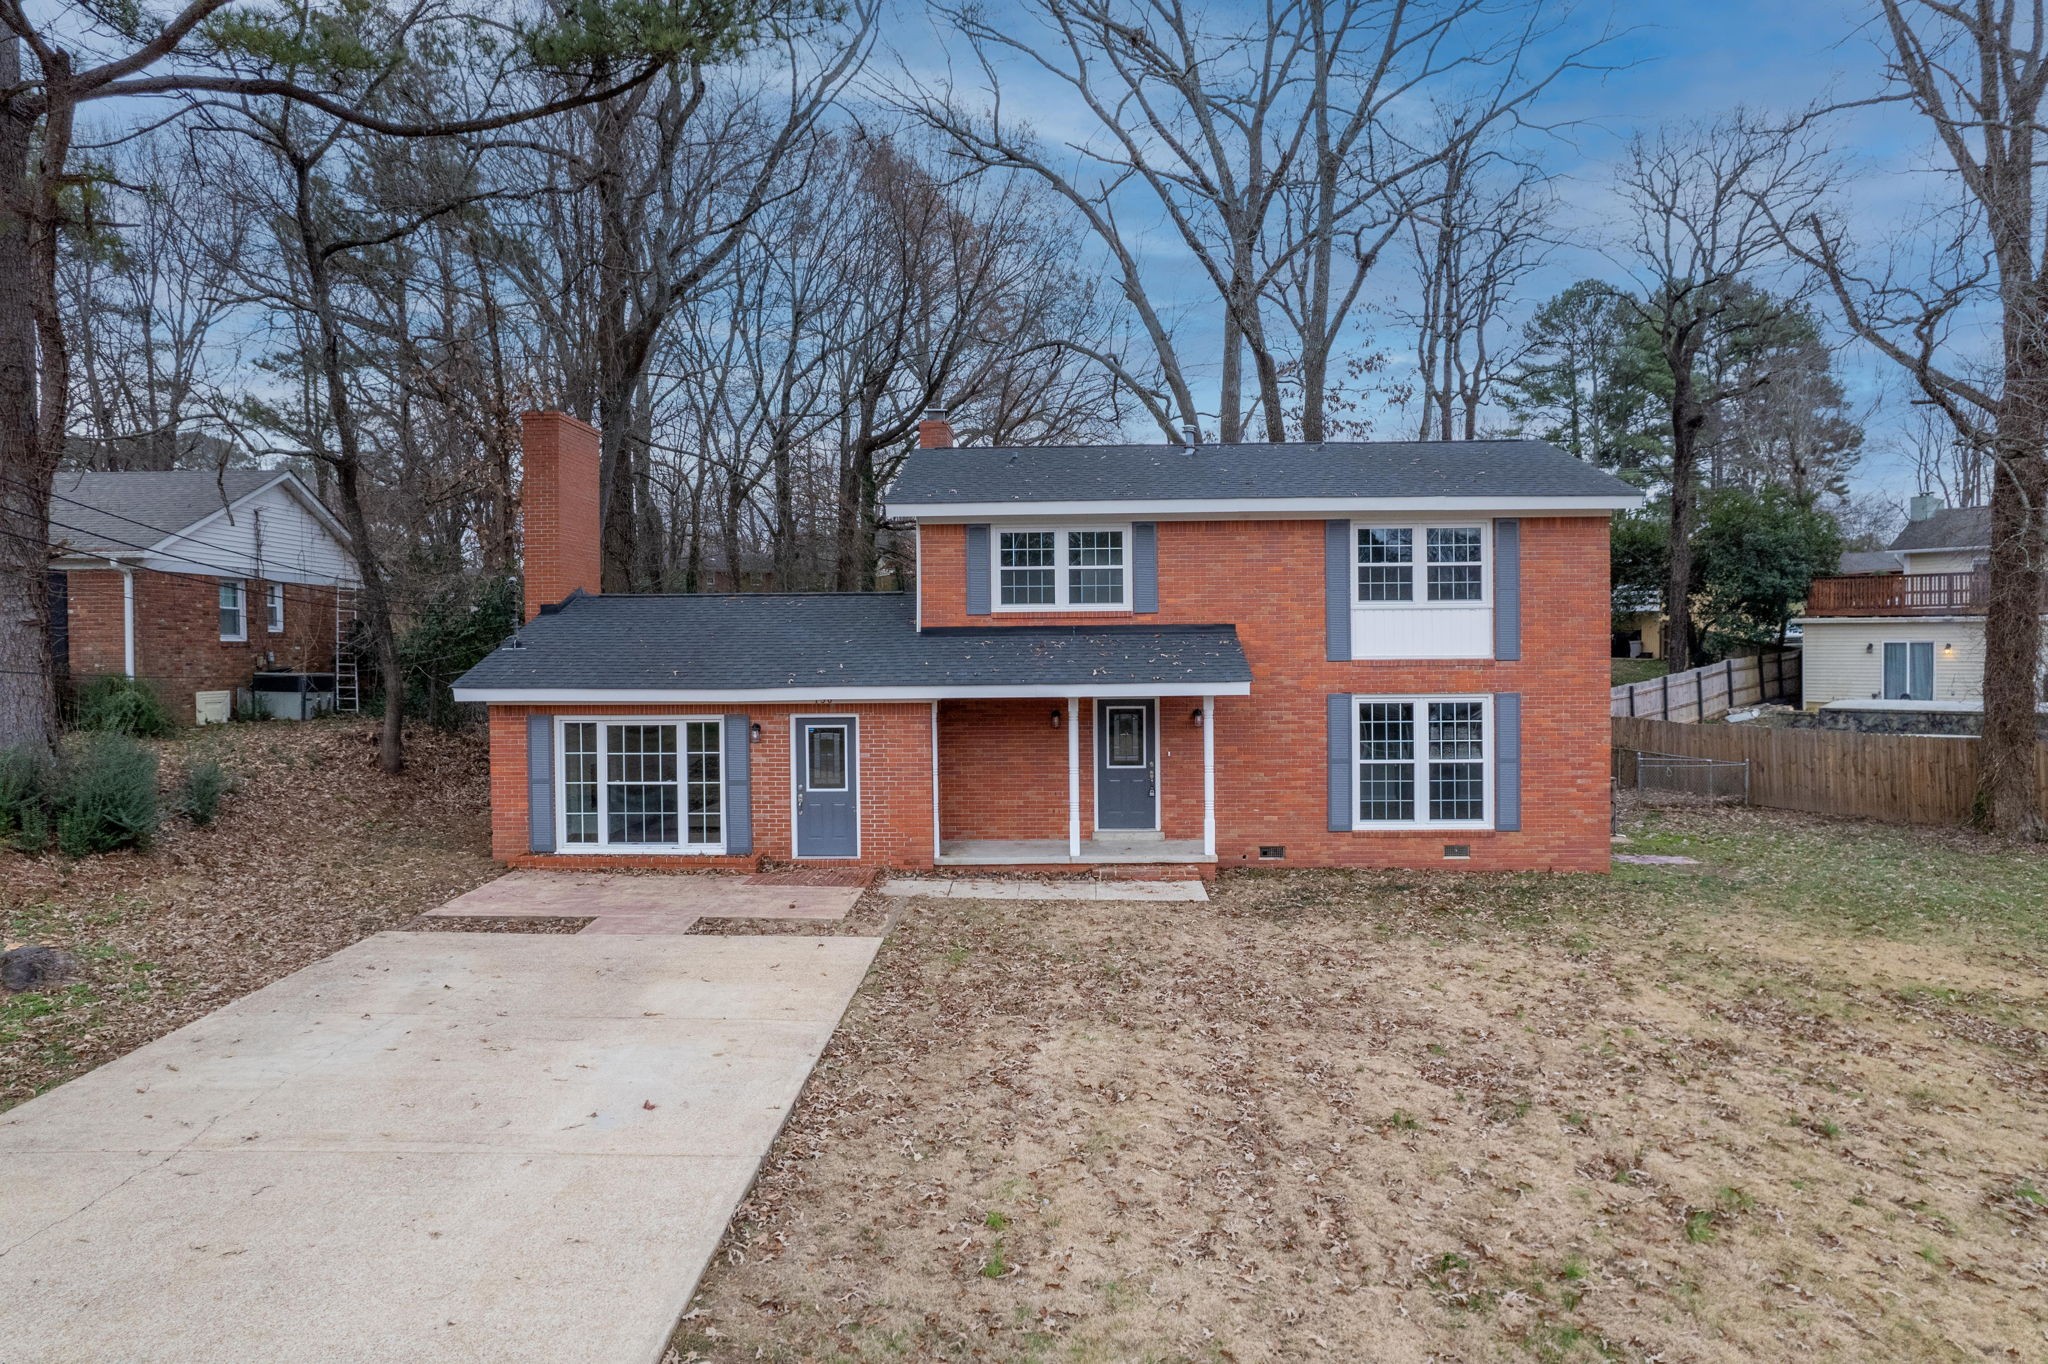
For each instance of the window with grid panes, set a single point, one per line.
(1085, 568)
(1421, 761)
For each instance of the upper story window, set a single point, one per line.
(1063, 569)
(1451, 560)
(234, 613)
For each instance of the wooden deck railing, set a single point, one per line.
(1899, 594)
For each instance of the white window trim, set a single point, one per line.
(1061, 570)
(241, 609)
(1933, 668)
(602, 849)
(1422, 823)
(1420, 564)
(273, 608)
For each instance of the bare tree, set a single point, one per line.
(70, 66)
(1954, 463)
(1701, 202)
(1978, 74)
(1483, 230)
(1273, 148)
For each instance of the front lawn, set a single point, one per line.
(1787, 1103)
(313, 850)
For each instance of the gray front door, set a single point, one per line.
(827, 787)
(1126, 765)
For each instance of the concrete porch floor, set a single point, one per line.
(1097, 851)
(652, 905)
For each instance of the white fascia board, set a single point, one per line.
(625, 696)
(77, 560)
(1258, 508)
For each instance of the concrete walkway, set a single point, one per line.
(429, 1147)
(639, 905)
(996, 888)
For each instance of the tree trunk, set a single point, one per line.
(2007, 783)
(28, 702)
(1685, 426)
(348, 470)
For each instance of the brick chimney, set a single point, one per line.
(935, 432)
(558, 507)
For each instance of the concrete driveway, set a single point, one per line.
(428, 1147)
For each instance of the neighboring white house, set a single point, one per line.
(1910, 637)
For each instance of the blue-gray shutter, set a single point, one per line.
(1337, 592)
(739, 785)
(1343, 715)
(1507, 589)
(977, 570)
(1144, 567)
(1507, 761)
(540, 783)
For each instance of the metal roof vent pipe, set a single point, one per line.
(1191, 436)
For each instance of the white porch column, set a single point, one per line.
(1074, 777)
(1208, 776)
(937, 850)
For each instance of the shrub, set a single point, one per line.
(450, 635)
(199, 793)
(107, 798)
(24, 799)
(113, 704)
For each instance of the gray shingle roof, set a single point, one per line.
(1165, 473)
(1868, 561)
(1949, 528)
(112, 513)
(799, 642)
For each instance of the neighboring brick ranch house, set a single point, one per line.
(1337, 654)
(196, 580)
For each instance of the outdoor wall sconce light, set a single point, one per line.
(1197, 717)
(1055, 718)
(1870, 648)
(754, 732)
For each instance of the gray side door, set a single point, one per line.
(827, 786)
(1126, 765)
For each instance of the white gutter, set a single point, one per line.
(127, 572)
(1258, 508)
(630, 696)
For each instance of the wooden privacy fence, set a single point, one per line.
(1899, 778)
(1716, 689)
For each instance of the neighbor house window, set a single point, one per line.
(1909, 670)
(1452, 560)
(1059, 569)
(1422, 760)
(643, 784)
(234, 615)
(273, 608)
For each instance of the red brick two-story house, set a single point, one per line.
(1336, 654)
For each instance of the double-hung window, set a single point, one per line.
(234, 612)
(642, 785)
(273, 608)
(1081, 568)
(1451, 561)
(1909, 670)
(1423, 761)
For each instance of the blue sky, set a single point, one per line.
(1678, 62)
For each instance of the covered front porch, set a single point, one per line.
(1075, 781)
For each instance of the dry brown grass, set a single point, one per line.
(1787, 1103)
(314, 849)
